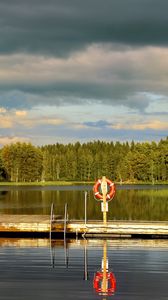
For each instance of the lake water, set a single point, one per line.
(35, 269)
(139, 202)
(38, 269)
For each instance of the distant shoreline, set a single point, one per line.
(71, 183)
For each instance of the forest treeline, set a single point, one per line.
(124, 162)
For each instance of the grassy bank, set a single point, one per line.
(46, 183)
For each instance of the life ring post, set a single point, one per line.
(104, 192)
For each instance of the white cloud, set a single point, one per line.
(20, 113)
(156, 125)
(98, 73)
(4, 140)
(51, 121)
(2, 110)
(128, 88)
(6, 122)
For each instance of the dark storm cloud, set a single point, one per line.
(55, 27)
(70, 93)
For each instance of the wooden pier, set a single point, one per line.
(41, 225)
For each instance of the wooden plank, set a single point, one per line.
(41, 223)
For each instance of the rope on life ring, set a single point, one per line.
(98, 196)
(111, 286)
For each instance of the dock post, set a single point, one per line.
(66, 253)
(85, 277)
(76, 234)
(85, 208)
(51, 218)
(104, 192)
(65, 221)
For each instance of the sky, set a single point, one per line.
(74, 70)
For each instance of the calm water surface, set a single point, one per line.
(143, 202)
(36, 269)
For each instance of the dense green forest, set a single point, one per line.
(124, 162)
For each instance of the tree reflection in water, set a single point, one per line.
(131, 203)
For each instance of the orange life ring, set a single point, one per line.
(97, 281)
(109, 195)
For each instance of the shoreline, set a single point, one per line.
(71, 183)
